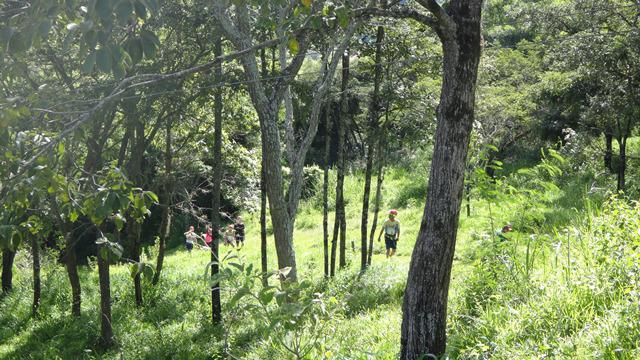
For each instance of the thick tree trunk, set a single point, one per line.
(372, 134)
(106, 331)
(71, 265)
(376, 205)
(425, 300)
(608, 152)
(216, 306)
(7, 269)
(35, 254)
(622, 163)
(325, 188)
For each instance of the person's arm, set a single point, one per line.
(398, 233)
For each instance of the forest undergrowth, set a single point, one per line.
(563, 284)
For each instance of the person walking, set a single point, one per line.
(230, 236)
(391, 230)
(239, 228)
(191, 238)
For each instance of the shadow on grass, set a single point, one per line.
(60, 337)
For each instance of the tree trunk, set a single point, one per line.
(7, 270)
(340, 223)
(106, 331)
(70, 262)
(622, 163)
(425, 300)
(263, 189)
(325, 189)
(134, 237)
(165, 229)
(372, 133)
(165, 225)
(608, 152)
(263, 226)
(35, 254)
(376, 206)
(216, 306)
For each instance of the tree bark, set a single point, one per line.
(165, 225)
(37, 288)
(106, 331)
(325, 188)
(263, 190)
(372, 134)
(216, 306)
(425, 300)
(622, 163)
(7, 270)
(341, 127)
(70, 261)
(608, 152)
(376, 206)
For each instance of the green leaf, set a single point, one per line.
(118, 70)
(103, 59)
(149, 44)
(293, 46)
(266, 296)
(73, 216)
(140, 9)
(134, 48)
(44, 28)
(243, 291)
(306, 3)
(104, 9)
(343, 17)
(124, 9)
(89, 63)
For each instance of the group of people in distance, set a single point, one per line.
(233, 235)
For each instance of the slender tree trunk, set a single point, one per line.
(35, 254)
(134, 237)
(608, 152)
(165, 225)
(622, 163)
(341, 127)
(376, 206)
(70, 262)
(7, 270)
(325, 188)
(468, 192)
(425, 300)
(372, 134)
(263, 188)
(216, 306)
(106, 331)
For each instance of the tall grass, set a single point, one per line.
(543, 293)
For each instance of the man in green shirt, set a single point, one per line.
(391, 230)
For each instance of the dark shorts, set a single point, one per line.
(240, 238)
(189, 246)
(390, 241)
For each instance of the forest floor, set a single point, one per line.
(524, 298)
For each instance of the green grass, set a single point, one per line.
(503, 304)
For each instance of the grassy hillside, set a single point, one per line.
(564, 285)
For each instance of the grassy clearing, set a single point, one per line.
(543, 293)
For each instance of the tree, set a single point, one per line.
(283, 207)
(458, 25)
